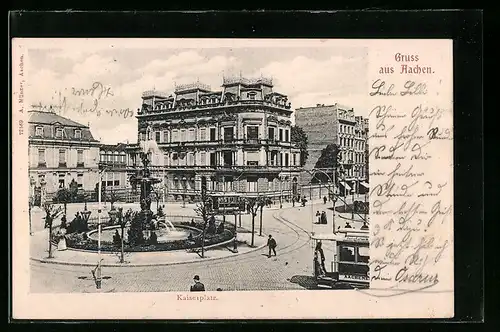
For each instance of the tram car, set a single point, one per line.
(348, 266)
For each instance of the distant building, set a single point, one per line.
(336, 124)
(237, 138)
(114, 156)
(60, 150)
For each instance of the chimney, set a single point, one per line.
(318, 105)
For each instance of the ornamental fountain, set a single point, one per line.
(142, 224)
(146, 227)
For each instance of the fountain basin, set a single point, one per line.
(163, 234)
(177, 239)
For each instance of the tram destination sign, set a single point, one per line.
(353, 277)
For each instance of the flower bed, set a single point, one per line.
(82, 242)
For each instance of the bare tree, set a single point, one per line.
(253, 206)
(63, 195)
(204, 210)
(51, 213)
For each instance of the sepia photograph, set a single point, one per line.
(283, 174)
(198, 169)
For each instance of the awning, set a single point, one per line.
(348, 187)
(366, 185)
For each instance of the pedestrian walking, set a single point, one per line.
(271, 243)
(318, 215)
(319, 252)
(198, 286)
(323, 218)
(324, 199)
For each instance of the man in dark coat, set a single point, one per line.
(271, 243)
(323, 218)
(198, 286)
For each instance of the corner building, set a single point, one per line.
(60, 151)
(238, 138)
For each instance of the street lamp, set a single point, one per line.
(281, 192)
(333, 197)
(31, 201)
(261, 206)
(319, 181)
(235, 244)
(184, 194)
(164, 187)
(347, 167)
(43, 183)
(102, 169)
(355, 187)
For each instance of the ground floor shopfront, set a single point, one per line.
(186, 185)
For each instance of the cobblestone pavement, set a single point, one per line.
(291, 269)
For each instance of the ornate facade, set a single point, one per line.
(239, 138)
(115, 157)
(60, 150)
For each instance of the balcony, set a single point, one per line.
(254, 141)
(223, 168)
(63, 164)
(42, 165)
(229, 142)
(80, 164)
(256, 168)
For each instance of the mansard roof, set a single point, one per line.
(49, 120)
(44, 117)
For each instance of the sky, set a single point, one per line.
(83, 77)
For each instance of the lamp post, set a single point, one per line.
(99, 211)
(43, 183)
(99, 207)
(352, 206)
(319, 181)
(184, 194)
(235, 243)
(261, 206)
(348, 166)
(31, 201)
(281, 192)
(164, 187)
(333, 198)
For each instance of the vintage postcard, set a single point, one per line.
(232, 179)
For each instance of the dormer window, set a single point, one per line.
(78, 133)
(59, 132)
(39, 131)
(251, 95)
